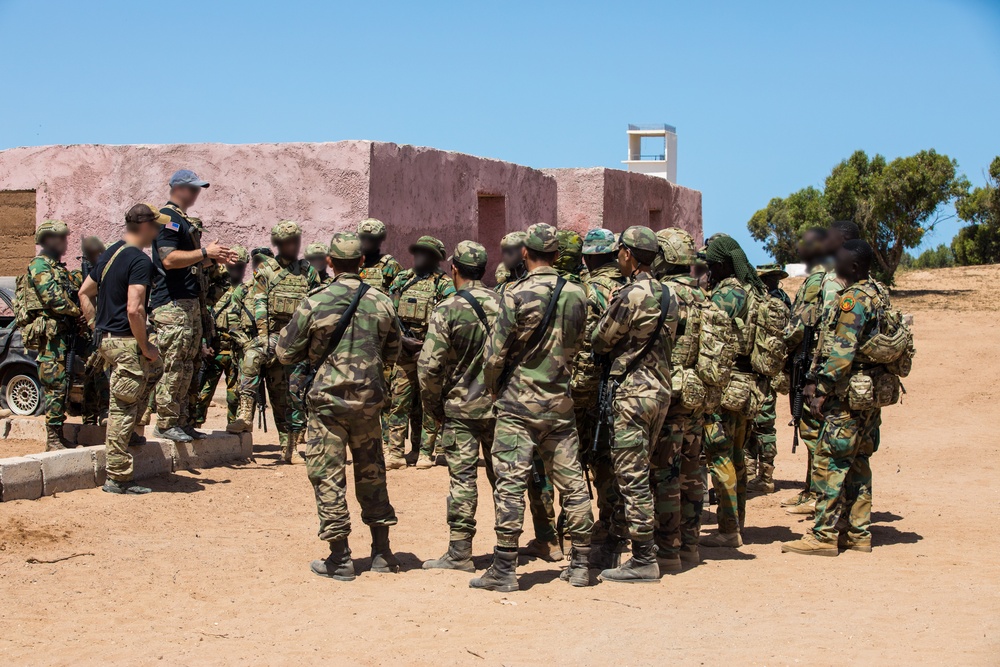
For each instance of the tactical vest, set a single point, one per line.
(770, 316)
(743, 327)
(195, 236)
(220, 314)
(375, 275)
(285, 292)
(703, 355)
(416, 301)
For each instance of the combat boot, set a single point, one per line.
(810, 546)
(383, 560)
(549, 551)
(127, 488)
(394, 461)
(720, 539)
(54, 439)
(288, 441)
(459, 557)
(808, 507)
(797, 499)
(424, 462)
(670, 563)
(607, 555)
(194, 433)
(751, 466)
(244, 416)
(846, 543)
(690, 555)
(173, 433)
(641, 568)
(578, 572)
(338, 565)
(764, 482)
(500, 575)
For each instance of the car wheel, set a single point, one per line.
(23, 395)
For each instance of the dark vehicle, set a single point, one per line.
(20, 390)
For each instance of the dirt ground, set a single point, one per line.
(213, 567)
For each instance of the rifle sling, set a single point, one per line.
(338, 333)
(664, 307)
(537, 334)
(476, 306)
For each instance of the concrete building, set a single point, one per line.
(326, 187)
(652, 150)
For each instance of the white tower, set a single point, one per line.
(647, 155)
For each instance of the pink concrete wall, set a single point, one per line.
(616, 199)
(418, 191)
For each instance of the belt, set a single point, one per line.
(118, 335)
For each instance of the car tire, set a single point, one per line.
(23, 394)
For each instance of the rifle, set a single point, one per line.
(262, 401)
(70, 360)
(800, 369)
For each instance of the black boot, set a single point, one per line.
(383, 559)
(338, 565)
(500, 575)
(459, 557)
(578, 572)
(641, 568)
(608, 554)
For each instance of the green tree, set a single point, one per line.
(932, 258)
(979, 241)
(779, 225)
(895, 203)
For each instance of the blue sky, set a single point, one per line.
(766, 96)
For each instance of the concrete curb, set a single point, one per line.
(28, 428)
(36, 475)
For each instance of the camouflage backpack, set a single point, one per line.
(27, 307)
(703, 355)
(770, 316)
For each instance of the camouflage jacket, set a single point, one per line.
(224, 316)
(451, 361)
(349, 384)
(242, 327)
(602, 284)
(625, 329)
(56, 294)
(807, 310)
(268, 281)
(511, 279)
(382, 273)
(849, 324)
(415, 297)
(540, 386)
(731, 296)
(688, 293)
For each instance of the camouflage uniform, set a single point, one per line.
(511, 240)
(96, 391)
(382, 271)
(224, 317)
(133, 377)
(534, 409)
(841, 473)
(50, 300)
(345, 398)
(450, 370)
(414, 298)
(317, 251)
(279, 287)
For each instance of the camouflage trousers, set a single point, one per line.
(725, 439)
(177, 334)
(405, 411)
(678, 480)
(842, 473)
(327, 441)
(809, 430)
(289, 414)
(96, 391)
(52, 375)
(462, 440)
(762, 445)
(637, 424)
(219, 364)
(132, 380)
(559, 446)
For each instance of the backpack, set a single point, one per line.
(770, 316)
(703, 355)
(26, 304)
(891, 346)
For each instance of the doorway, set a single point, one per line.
(492, 225)
(655, 218)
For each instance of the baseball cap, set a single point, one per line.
(187, 177)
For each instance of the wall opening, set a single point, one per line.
(17, 231)
(655, 218)
(492, 225)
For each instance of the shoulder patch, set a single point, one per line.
(847, 303)
(173, 226)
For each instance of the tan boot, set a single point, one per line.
(244, 416)
(764, 482)
(287, 441)
(728, 540)
(751, 466)
(797, 499)
(806, 508)
(845, 543)
(549, 551)
(809, 546)
(394, 462)
(424, 462)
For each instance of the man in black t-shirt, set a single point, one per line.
(114, 299)
(178, 257)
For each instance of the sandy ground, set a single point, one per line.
(213, 567)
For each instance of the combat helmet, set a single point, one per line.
(372, 227)
(316, 251)
(50, 228)
(677, 246)
(284, 230)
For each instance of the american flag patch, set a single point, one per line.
(173, 226)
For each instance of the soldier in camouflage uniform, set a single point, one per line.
(48, 297)
(243, 324)
(676, 469)
(225, 314)
(96, 392)
(762, 445)
(841, 473)
(501, 275)
(316, 254)
(511, 260)
(453, 392)
(636, 335)
(733, 278)
(534, 409)
(541, 496)
(280, 284)
(343, 405)
(379, 269)
(414, 293)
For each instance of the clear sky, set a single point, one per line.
(766, 96)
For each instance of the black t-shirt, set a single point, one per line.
(131, 267)
(171, 285)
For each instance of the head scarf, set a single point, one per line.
(725, 248)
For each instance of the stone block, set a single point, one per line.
(66, 470)
(100, 464)
(246, 445)
(154, 458)
(91, 434)
(71, 432)
(25, 428)
(219, 448)
(20, 479)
